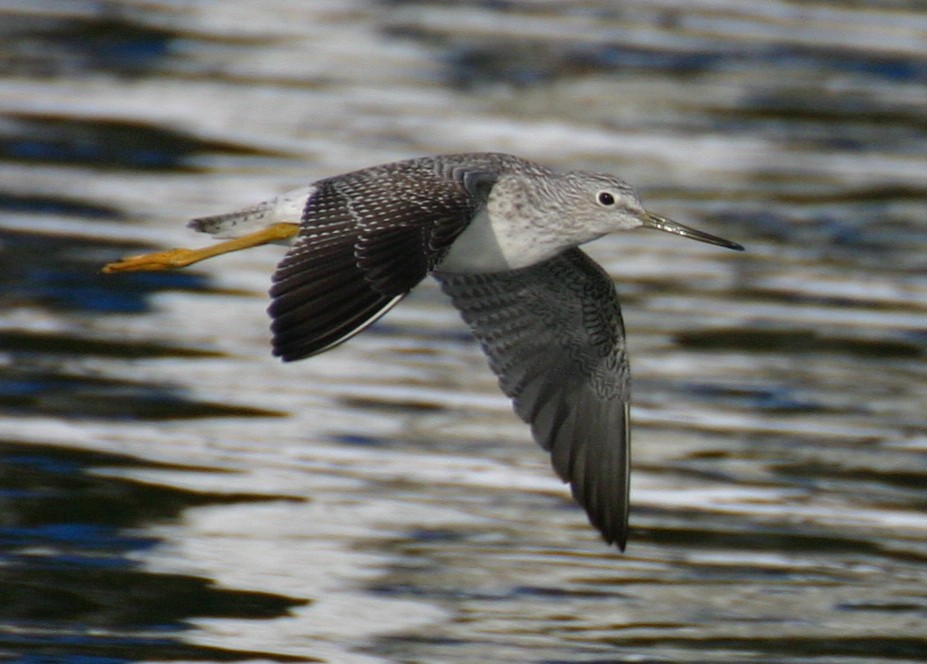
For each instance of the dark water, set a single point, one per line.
(171, 493)
(71, 589)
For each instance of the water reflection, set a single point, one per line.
(107, 40)
(105, 143)
(60, 272)
(71, 582)
(382, 502)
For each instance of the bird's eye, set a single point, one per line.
(606, 198)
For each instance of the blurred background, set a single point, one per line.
(171, 492)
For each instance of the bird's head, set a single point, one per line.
(602, 204)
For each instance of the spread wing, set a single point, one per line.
(554, 336)
(365, 240)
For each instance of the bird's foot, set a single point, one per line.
(172, 259)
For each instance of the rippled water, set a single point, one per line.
(172, 493)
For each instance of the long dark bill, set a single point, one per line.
(669, 226)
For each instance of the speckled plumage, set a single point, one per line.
(554, 336)
(500, 234)
(376, 232)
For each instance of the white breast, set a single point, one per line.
(506, 234)
(477, 249)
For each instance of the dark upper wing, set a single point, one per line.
(365, 240)
(554, 336)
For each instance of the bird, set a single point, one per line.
(502, 236)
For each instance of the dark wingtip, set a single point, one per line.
(287, 357)
(617, 539)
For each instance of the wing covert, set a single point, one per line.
(554, 336)
(366, 239)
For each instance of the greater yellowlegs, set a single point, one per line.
(501, 235)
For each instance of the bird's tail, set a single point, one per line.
(286, 208)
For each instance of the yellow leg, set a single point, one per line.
(173, 259)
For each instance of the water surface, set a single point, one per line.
(173, 493)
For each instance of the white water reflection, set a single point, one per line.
(778, 492)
